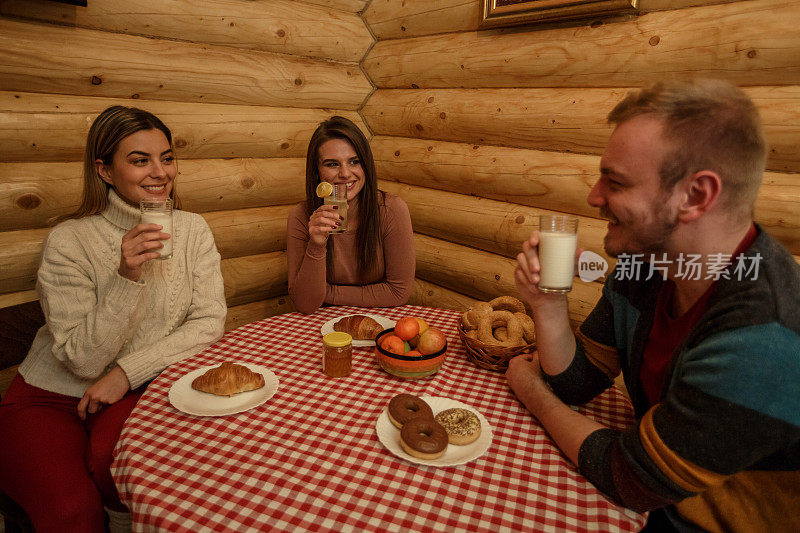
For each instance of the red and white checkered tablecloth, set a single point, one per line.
(310, 459)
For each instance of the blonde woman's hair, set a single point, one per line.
(710, 125)
(107, 131)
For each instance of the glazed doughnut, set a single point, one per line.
(404, 407)
(497, 318)
(528, 328)
(507, 303)
(424, 438)
(462, 425)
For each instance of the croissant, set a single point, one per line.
(360, 327)
(228, 379)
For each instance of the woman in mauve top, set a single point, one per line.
(372, 263)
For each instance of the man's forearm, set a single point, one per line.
(566, 427)
(555, 340)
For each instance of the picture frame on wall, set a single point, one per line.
(497, 13)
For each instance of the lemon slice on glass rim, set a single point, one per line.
(324, 189)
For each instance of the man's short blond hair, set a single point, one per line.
(711, 125)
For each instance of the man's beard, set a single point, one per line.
(650, 238)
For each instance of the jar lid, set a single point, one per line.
(337, 339)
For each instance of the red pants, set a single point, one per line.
(55, 465)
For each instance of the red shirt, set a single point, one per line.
(668, 331)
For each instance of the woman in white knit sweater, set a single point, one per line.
(116, 317)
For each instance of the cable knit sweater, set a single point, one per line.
(97, 319)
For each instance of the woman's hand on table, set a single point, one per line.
(105, 391)
(140, 245)
(321, 222)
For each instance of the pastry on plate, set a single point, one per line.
(228, 379)
(360, 327)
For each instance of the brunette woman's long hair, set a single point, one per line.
(369, 198)
(105, 134)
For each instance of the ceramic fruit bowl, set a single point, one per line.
(407, 367)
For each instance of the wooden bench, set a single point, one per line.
(18, 327)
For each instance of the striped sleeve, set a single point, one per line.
(595, 363)
(732, 410)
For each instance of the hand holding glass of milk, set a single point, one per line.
(158, 211)
(558, 240)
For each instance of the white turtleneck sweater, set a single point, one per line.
(97, 319)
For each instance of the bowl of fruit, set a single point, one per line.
(411, 349)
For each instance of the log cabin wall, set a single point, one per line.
(241, 84)
(481, 131)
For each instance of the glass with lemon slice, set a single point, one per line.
(335, 194)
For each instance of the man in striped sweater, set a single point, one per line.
(705, 329)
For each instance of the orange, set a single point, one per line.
(406, 328)
(393, 344)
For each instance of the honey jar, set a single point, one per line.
(337, 354)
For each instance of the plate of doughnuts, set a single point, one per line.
(187, 399)
(463, 424)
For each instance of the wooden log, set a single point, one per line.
(16, 298)
(237, 233)
(558, 182)
(397, 19)
(96, 63)
(488, 225)
(279, 26)
(255, 277)
(20, 253)
(564, 120)
(241, 232)
(776, 208)
(44, 127)
(349, 6)
(723, 41)
(247, 313)
(547, 180)
(483, 275)
(32, 193)
(430, 295)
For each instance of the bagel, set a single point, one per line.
(472, 316)
(507, 303)
(497, 318)
(509, 329)
(528, 328)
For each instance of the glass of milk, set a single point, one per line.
(158, 211)
(558, 240)
(339, 198)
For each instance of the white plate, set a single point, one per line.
(385, 323)
(184, 398)
(454, 455)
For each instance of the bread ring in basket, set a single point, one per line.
(528, 328)
(472, 317)
(507, 303)
(501, 318)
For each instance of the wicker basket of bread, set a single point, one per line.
(495, 332)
